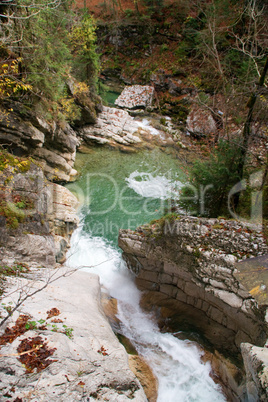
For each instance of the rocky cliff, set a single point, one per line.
(52, 142)
(187, 266)
(37, 216)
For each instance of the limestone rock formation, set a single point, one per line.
(89, 104)
(43, 225)
(88, 362)
(117, 129)
(136, 97)
(187, 267)
(113, 126)
(256, 365)
(52, 145)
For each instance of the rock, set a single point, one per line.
(26, 132)
(113, 127)
(159, 80)
(89, 104)
(231, 377)
(256, 365)
(109, 305)
(187, 268)
(200, 122)
(61, 245)
(117, 129)
(44, 229)
(15, 131)
(89, 363)
(32, 247)
(197, 281)
(60, 167)
(145, 375)
(54, 146)
(136, 97)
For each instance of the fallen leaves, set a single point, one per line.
(18, 329)
(103, 351)
(56, 320)
(53, 312)
(34, 353)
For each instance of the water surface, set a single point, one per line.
(123, 191)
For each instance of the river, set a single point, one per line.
(119, 190)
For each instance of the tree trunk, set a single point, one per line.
(247, 128)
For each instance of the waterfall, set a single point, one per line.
(177, 364)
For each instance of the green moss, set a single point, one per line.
(12, 222)
(197, 253)
(14, 212)
(8, 160)
(158, 225)
(217, 226)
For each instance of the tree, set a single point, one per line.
(234, 51)
(211, 180)
(83, 42)
(247, 127)
(36, 39)
(35, 33)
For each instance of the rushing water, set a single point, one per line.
(121, 191)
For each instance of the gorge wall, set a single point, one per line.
(51, 142)
(37, 217)
(186, 266)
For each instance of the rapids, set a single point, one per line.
(124, 191)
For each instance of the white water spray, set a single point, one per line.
(181, 374)
(154, 186)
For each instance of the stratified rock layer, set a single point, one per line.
(117, 129)
(187, 267)
(54, 146)
(45, 229)
(113, 126)
(256, 365)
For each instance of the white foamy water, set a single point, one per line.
(181, 374)
(148, 185)
(146, 125)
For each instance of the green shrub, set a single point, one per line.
(218, 174)
(129, 12)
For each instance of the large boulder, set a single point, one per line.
(136, 97)
(200, 122)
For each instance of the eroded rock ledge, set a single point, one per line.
(53, 144)
(88, 362)
(44, 230)
(187, 268)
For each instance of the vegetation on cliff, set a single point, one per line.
(41, 44)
